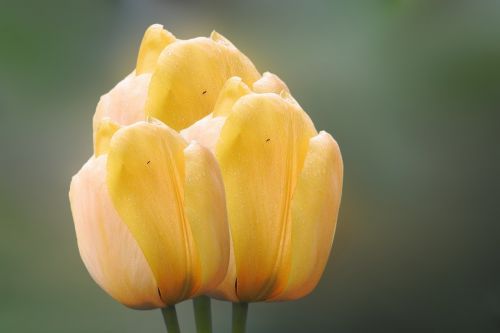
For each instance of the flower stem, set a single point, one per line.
(170, 319)
(202, 314)
(240, 311)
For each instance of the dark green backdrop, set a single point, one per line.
(410, 89)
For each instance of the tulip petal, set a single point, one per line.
(226, 290)
(233, 89)
(206, 131)
(124, 104)
(189, 75)
(154, 41)
(206, 212)
(110, 253)
(315, 207)
(146, 183)
(261, 151)
(103, 135)
(268, 83)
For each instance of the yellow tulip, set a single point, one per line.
(175, 81)
(149, 213)
(283, 184)
(178, 82)
(207, 179)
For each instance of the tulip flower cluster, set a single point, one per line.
(207, 178)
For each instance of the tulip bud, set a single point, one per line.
(150, 218)
(283, 185)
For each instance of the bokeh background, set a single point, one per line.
(410, 89)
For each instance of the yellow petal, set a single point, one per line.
(315, 207)
(269, 82)
(189, 76)
(124, 104)
(261, 151)
(206, 213)
(145, 179)
(154, 41)
(105, 130)
(106, 246)
(233, 89)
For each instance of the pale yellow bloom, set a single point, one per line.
(151, 207)
(283, 185)
(150, 218)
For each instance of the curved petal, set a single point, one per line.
(261, 151)
(124, 104)
(233, 89)
(226, 290)
(206, 131)
(315, 207)
(105, 130)
(110, 253)
(146, 183)
(154, 41)
(206, 212)
(268, 83)
(189, 76)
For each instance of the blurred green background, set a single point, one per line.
(410, 89)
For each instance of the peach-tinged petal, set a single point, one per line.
(226, 290)
(124, 104)
(206, 212)
(205, 131)
(261, 151)
(315, 207)
(110, 253)
(146, 175)
(189, 75)
(268, 83)
(154, 41)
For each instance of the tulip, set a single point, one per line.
(283, 183)
(241, 205)
(149, 213)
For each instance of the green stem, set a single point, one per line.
(170, 319)
(202, 314)
(240, 311)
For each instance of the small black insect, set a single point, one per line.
(268, 140)
(204, 92)
(148, 162)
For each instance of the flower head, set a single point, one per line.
(207, 178)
